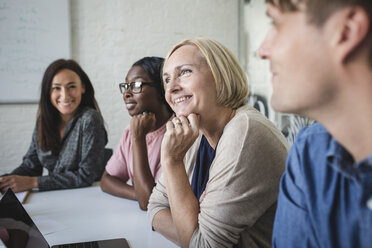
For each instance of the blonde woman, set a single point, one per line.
(222, 160)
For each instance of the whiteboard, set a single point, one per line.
(33, 33)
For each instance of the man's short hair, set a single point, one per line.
(318, 12)
(231, 82)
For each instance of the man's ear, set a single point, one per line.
(352, 28)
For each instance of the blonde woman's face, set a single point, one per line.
(189, 83)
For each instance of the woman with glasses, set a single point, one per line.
(137, 157)
(69, 137)
(222, 160)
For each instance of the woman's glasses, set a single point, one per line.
(135, 87)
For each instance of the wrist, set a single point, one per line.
(138, 137)
(35, 183)
(171, 162)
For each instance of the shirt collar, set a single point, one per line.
(341, 160)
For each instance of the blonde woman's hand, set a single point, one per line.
(180, 135)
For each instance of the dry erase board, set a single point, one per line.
(33, 33)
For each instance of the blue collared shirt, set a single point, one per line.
(325, 198)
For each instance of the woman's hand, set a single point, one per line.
(17, 183)
(184, 207)
(142, 124)
(180, 135)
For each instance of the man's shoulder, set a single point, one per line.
(312, 144)
(307, 158)
(315, 132)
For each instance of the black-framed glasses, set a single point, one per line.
(135, 87)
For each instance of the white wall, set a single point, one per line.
(107, 37)
(256, 26)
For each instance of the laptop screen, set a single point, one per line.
(16, 227)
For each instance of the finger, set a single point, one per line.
(5, 185)
(194, 121)
(184, 120)
(3, 180)
(174, 119)
(186, 127)
(148, 116)
(4, 189)
(176, 122)
(170, 125)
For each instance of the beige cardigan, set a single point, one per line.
(243, 185)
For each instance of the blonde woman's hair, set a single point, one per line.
(231, 82)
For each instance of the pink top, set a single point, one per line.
(121, 162)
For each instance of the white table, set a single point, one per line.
(88, 214)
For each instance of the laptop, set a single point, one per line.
(18, 230)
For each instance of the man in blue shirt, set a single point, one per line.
(320, 55)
